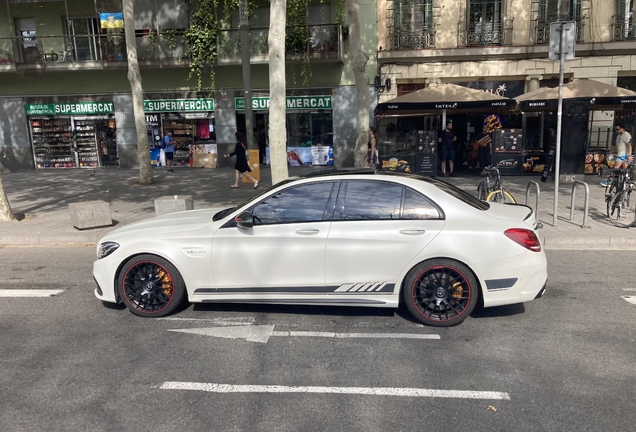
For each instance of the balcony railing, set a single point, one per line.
(49, 51)
(403, 39)
(316, 42)
(624, 29)
(543, 31)
(484, 35)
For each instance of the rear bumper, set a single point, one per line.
(542, 292)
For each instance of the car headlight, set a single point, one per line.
(106, 249)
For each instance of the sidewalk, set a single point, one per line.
(41, 198)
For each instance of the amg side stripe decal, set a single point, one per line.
(366, 287)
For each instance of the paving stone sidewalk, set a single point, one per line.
(40, 199)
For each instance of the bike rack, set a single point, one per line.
(536, 201)
(587, 201)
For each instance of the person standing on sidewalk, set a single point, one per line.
(447, 139)
(168, 147)
(241, 166)
(484, 151)
(622, 150)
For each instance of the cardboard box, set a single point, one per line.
(255, 166)
(204, 160)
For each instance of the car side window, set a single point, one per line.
(369, 200)
(304, 203)
(417, 207)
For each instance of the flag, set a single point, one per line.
(112, 20)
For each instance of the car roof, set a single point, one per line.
(362, 171)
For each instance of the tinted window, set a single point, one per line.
(418, 207)
(304, 203)
(370, 200)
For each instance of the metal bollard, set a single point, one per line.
(587, 201)
(536, 203)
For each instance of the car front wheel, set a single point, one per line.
(440, 292)
(150, 286)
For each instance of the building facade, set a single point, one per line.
(65, 99)
(501, 46)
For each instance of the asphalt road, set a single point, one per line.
(561, 363)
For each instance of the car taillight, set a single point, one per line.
(525, 237)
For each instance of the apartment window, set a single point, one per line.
(486, 23)
(549, 12)
(412, 24)
(623, 22)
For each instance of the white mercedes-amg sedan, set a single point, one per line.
(344, 238)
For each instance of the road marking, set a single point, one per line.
(629, 289)
(630, 299)
(29, 293)
(262, 333)
(366, 391)
(356, 335)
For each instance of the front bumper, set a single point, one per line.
(104, 271)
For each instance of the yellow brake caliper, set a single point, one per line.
(166, 283)
(458, 291)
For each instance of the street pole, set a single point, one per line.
(247, 77)
(557, 165)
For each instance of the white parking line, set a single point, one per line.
(630, 299)
(28, 293)
(356, 335)
(233, 321)
(629, 289)
(366, 391)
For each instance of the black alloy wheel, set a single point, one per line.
(440, 292)
(150, 286)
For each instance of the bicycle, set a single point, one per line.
(621, 209)
(491, 188)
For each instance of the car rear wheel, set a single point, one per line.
(150, 286)
(440, 292)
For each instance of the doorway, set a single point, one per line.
(83, 40)
(28, 45)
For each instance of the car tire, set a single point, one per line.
(440, 292)
(150, 286)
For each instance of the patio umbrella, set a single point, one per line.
(598, 94)
(444, 96)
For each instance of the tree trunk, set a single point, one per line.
(134, 76)
(277, 91)
(359, 61)
(5, 209)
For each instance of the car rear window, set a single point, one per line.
(461, 195)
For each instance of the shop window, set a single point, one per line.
(307, 129)
(305, 203)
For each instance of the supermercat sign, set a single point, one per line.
(70, 108)
(292, 103)
(102, 108)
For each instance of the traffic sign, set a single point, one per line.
(569, 39)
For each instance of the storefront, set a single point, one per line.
(309, 126)
(73, 134)
(192, 124)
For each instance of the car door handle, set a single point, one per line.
(412, 231)
(307, 231)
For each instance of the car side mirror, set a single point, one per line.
(244, 220)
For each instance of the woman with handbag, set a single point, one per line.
(242, 156)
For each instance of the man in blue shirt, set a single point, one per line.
(168, 147)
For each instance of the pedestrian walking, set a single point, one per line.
(241, 167)
(168, 147)
(372, 146)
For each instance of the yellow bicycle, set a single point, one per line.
(491, 189)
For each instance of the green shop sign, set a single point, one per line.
(69, 108)
(293, 103)
(181, 105)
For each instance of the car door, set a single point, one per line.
(285, 249)
(378, 228)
